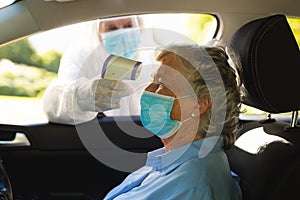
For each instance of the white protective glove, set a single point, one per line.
(101, 94)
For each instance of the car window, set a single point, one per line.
(27, 66)
(295, 26)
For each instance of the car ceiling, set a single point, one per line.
(27, 17)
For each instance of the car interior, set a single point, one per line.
(41, 161)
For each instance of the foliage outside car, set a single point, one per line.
(23, 72)
(295, 26)
(22, 52)
(23, 80)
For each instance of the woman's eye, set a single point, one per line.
(160, 81)
(161, 84)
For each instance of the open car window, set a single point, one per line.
(27, 66)
(295, 26)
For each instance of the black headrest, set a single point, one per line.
(270, 60)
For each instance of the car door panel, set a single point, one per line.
(57, 165)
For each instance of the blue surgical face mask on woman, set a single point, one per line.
(122, 42)
(156, 114)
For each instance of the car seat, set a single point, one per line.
(266, 155)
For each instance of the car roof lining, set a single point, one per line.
(12, 17)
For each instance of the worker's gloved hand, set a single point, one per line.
(101, 94)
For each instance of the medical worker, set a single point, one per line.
(79, 93)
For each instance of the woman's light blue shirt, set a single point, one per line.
(199, 170)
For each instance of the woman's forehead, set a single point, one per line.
(168, 66)
(164, 72)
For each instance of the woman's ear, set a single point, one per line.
(204, 104)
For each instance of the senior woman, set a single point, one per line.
(192, 104)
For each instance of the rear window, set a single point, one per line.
(28, 66)
(295, 26)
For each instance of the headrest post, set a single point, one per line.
(269, 119)
(294, 119)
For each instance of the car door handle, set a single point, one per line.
(20, 140)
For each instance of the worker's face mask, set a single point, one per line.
(156, 112)
(122, 42)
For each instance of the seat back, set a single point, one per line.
(266, 154)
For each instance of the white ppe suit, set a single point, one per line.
(78, 68)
